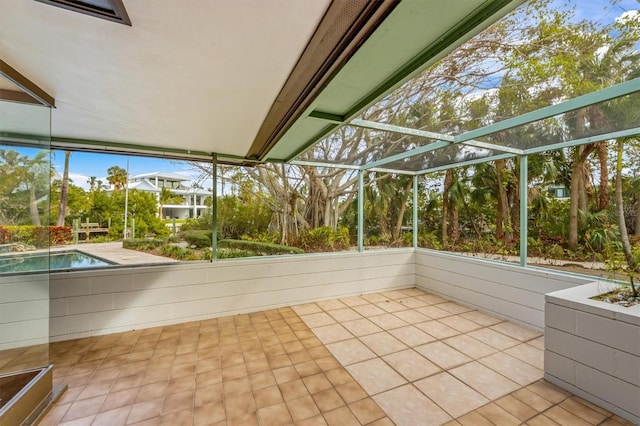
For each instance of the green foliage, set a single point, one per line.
(228, 253)
(142, 244)
(258, 247)
(38, 236)
(323, 239)
(179, 253)
(197, 237)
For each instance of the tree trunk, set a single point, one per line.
(578, 191)
(448, 181)
(64, 190)
(403, 208)
(624, 236)
(33, 207)
(603, 157)
(503, 226)
(636, 229)
(455, 223)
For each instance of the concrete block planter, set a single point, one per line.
(592, 348)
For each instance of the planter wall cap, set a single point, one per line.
(579, 298)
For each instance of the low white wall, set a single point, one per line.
(100, 302)
(508, 291)
(593, 349)
(24, 310)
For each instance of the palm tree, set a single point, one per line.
(117, 176)
(92, 183)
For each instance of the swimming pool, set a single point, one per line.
(71, 259)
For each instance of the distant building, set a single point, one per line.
(560, 192)
(194, 197)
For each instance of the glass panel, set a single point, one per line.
(387, 210)
(451, 154)
(597, 119)
(277, 209)
(539, 55)
(158, 199)
(358, 146)
(24, 219)
(467, 210)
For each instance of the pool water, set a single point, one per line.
(44, 261)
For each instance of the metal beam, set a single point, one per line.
(214, 208)
(486, 145)
(327, 116)
(524, 222)
(366, 124)
(467, 163)
(598, 138)
(415, 211)
(561, 108)
(326, 165)
(406, 154)
(360, 211)
(398, 172)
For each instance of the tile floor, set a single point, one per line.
(400, 357)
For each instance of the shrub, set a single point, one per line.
(324, 238)
(178, 253)
(234, 253)
(197, 237)
(258, 247)
(38, 236)
(5, 235)
(141, 244)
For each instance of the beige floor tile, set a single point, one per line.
(293, 390)
(516, 331)
(459, 323)
(115, 417)
(537, 343)
(412, 336)
(351, 391)
(317, 320)
(354, 301)
(529, 354)
(412, 302)
(361, 327)
(267, 396)
(313, 421)
(306, 309)
(329, 305)
(573, 405)
(341, 417)
(407, 406)
(374, 297)
(430, 299)
(350, 351)
(84, 408)
(387, 321)
(391, 306)
(433, 312)
(541, 420)
(516, 408)
(274, 415)
(332, 333)
(382, 343)
(469, 346)
(564, 417)
(438, 329)
(338, 376)
(484, 380)
(411, 364)
(394, 294)
(302, 408)
(512, 368)
(474, 419)
(346, 314)
(443, 355)
(451, 394)
(454, 308)
(368, 310)
(375, 376)
(532, 400)
(328, 400)
(481, 318)
(549, 391)
(498, 416)
(317, 383)
(145, 410)
(411, 316)
(366, 411)
(493, 338)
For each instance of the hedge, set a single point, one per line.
(258, 247)
(38, 236)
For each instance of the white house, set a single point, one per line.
(194, 196)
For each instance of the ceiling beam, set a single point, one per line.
(27, 85)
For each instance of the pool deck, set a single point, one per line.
(115, 253)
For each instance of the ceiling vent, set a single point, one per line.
(111, 10)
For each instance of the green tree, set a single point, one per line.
(117, 176)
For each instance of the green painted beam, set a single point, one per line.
(214, 208)
(326, 116)
(401, 156)
(325, 165)
(360, 211)
(591, 139)
(524, 222)
(398, 172)
(603, 95)
(415, 211)
(492, 146)
(399, 129)
(467, 163)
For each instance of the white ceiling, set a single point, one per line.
(197, 74)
